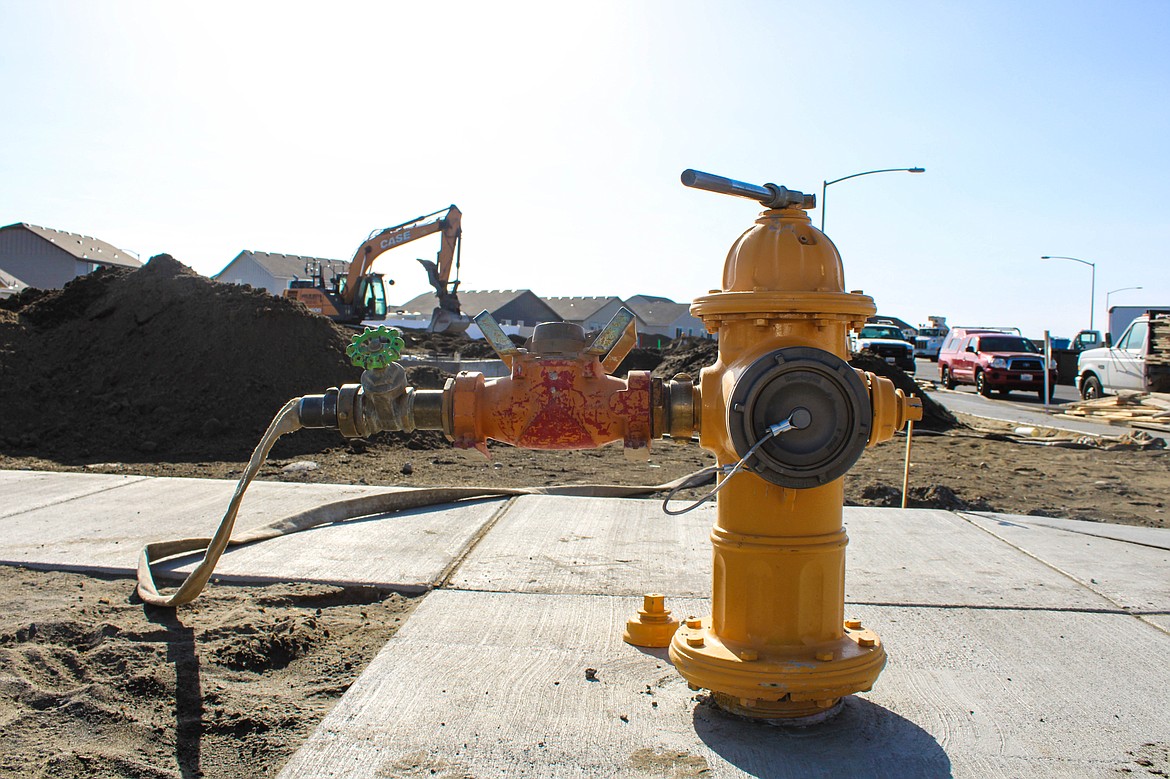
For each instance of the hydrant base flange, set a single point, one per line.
(780, 683)
(794, 715)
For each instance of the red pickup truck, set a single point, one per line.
(994, 361)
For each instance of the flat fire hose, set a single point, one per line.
(286, 421)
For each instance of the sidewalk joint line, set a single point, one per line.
(967, 517)
(133, 479)
(444, 578)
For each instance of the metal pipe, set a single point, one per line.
(428, 411)
(770, 195)
(724, 186)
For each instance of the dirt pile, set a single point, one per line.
(934, 415)
(687, 355)
(158, 363)
(932, 496)
(447, 345)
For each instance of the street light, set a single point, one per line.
(1092, 289)
(1110, 292)
(826, 184)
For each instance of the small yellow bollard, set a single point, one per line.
(653, 627)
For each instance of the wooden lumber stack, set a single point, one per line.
(1147, 410)
(1158, 355)
(1159, 340)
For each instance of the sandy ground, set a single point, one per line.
(92, 684)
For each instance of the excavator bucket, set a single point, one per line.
(444, 321)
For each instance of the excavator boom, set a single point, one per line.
(361, 295)
(383, 240)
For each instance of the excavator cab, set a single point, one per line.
(372, 293)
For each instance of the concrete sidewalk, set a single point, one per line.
(99, 523)
(1018, 646)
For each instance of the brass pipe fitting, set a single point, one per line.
(558, 395)
(382, 401)
(427, 410)
(675, 407)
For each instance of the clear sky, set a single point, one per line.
(202, 129)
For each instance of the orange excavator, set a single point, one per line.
(360, 295)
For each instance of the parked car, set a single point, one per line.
(886, 342)
(994, 361)
(930, 337)
(1139, 361)
(929, 341)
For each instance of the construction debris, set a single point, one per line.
(1146, 410)
(1136, 440)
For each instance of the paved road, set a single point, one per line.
(1018, 407)
(1064, 394)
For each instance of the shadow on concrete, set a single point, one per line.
(661, 653)
(864, 739)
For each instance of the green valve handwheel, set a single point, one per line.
(376, 347)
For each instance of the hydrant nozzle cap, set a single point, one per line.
(557, 338)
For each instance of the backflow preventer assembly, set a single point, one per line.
(781, 409)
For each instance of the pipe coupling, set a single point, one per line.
(382, 401)
(675, 407)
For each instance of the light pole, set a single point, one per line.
(826, 184)
(1110, 292)
(1092, 288)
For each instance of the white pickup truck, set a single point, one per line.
(1140, 360)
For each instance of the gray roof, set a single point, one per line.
(657, 312)
(83, 247)
(898, 323)
(285, 266)
(578, 309)
(10, 282)
(639, 299)
(470, 300)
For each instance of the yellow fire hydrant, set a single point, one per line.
(781, 409)
(776, 644)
